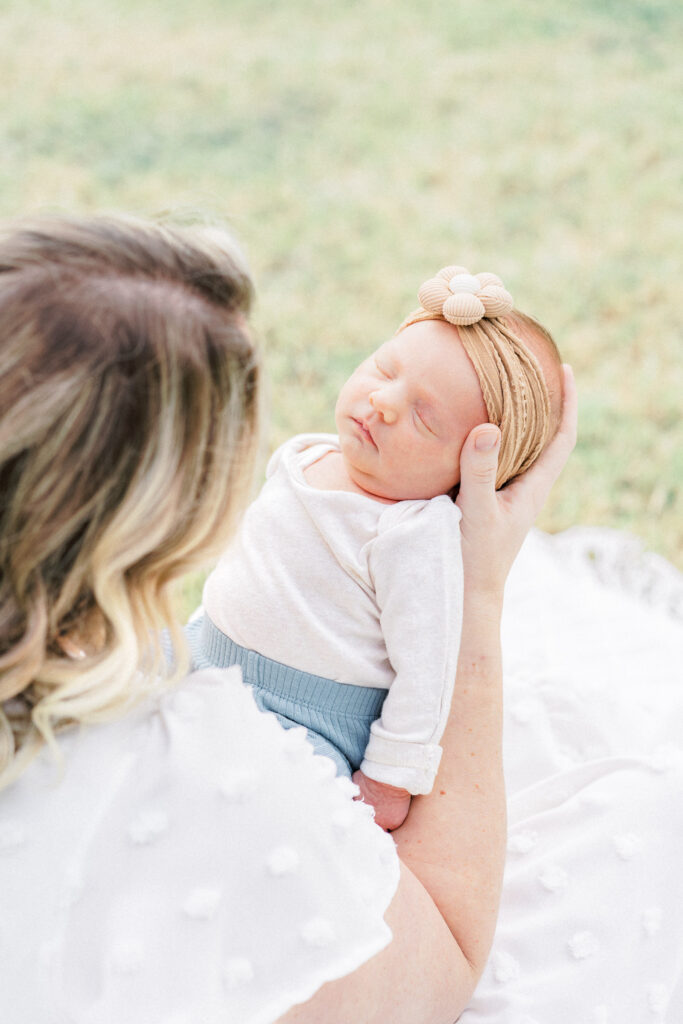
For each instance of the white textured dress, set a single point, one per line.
(196, 864)
(591, 922)
(159, 883)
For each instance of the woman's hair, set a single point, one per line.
(128, 426)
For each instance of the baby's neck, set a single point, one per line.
(328, 473)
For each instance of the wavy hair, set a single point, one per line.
(128, 427)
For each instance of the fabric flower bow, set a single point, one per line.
(463, 298)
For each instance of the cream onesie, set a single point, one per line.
(360, 592)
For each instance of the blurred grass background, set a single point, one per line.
(356, 148)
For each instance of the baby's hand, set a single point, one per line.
(391, 803)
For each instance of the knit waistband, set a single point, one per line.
(210, 646)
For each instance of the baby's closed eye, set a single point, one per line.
(383, 370)
(422, 422)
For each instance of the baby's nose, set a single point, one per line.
(379, 403)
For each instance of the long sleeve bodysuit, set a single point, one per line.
(343, 586)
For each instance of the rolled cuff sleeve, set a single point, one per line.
(411, 766)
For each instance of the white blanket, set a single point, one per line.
(591, 921)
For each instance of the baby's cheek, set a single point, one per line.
(450, 469)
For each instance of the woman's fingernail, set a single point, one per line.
(486, 440)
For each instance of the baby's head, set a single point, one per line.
(465, 357)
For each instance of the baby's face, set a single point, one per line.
(403, 415)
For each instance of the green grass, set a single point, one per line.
(356, 148)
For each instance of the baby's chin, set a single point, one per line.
(408, 493)
(424, 492)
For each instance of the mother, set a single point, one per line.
(181, 858)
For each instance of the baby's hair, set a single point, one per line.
(514, 356)
(128, 390)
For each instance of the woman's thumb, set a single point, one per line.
(479, 458)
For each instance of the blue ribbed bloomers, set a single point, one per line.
(337, 716)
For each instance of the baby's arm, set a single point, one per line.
(391, 803)
(416, 567)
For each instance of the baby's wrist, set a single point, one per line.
(372, 786)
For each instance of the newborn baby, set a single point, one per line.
(341, 597)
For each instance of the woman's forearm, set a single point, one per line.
(454, 839)
(444, 912)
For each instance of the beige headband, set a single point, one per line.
(512, 383)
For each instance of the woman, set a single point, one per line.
(129, 419)
(192, 861)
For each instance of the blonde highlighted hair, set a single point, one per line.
(128, 423)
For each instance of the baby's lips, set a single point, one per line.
(366, 429)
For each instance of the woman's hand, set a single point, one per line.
(495, 523)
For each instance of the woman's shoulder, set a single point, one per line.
(199, 851)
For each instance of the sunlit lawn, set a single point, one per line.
(358, 147)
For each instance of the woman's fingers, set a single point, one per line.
(535, 485)
(495, 523)
(479, 460)
(478, 468)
